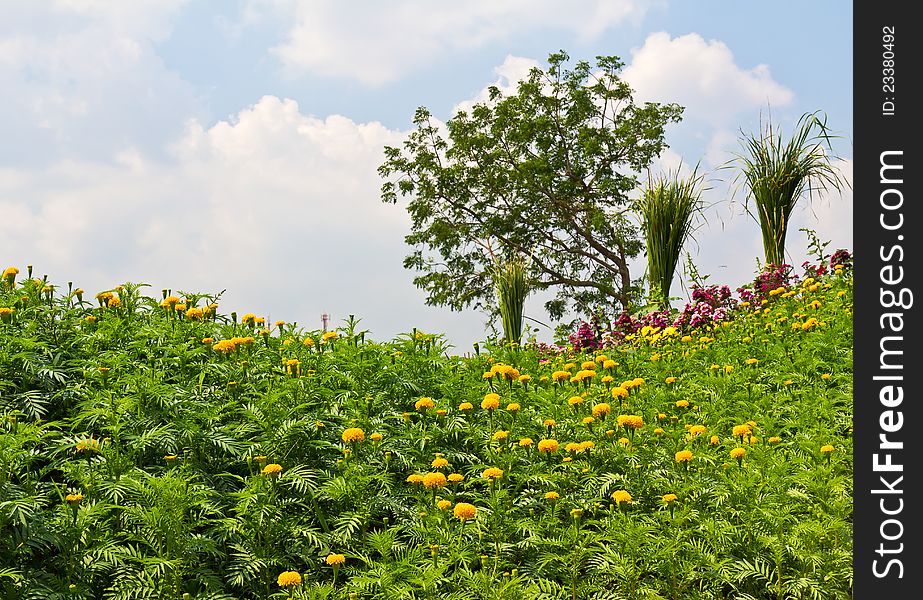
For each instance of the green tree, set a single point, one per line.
(544, 173)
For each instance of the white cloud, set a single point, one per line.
(513, 70)
(280, 208)
(378, 42)
(702, 76)
(88, 80)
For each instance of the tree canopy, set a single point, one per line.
(545, 172)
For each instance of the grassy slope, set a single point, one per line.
(207, 523)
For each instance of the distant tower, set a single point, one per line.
(324, 319)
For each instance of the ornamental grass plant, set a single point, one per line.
(510, 279)
(667, 207)
(778, 173)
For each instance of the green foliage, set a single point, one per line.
(778, 173)
(667, 207)
(511, 282)
(135, 453)
(544, 172)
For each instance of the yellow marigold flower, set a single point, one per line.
(567, 459)
(670, 380)
(683, 456)
(588, 420)
(439, 463)
(658, 430)
(329, 335)
(207, 340)
(601, 409)
(754, 440)
(697, 429)
(501, 435)
(353, 434)
(728, 368)
(335, 560)
(547, 446)
(827, 449)
(195, 314)
(492, 473)
(686, 339)
(424, 403)
(464, 511)
(575, 400)
(825, 376)
(308, 342)
(414, 478)
(513, 407)
(682, 404)
(272, 469)
(774, 439)
(630, 421)
(738, 453)
(289, 579)
(587, 445)
(589, 364)
(607, 379)
(442, 412)
(609, 364)
(668, 498)
(525, 442)
(787, 382)
(490, 402)
(751, 361)
(621, 496)
(444, 505)
(576, 513)
(627, 384)
(456, 477)
(619, 392)
(248, 318)
(434, 480)
(465, 406)
(585, 374)
(624, 441)
(488, 375)
(549, 423)
(559, 375)
(525, 378)
(742, 430)
(552, 496)
(73, 498)
(570, 365)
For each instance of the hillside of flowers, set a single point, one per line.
(153, 446)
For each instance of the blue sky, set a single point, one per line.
(205, 146)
